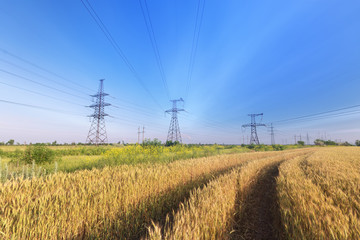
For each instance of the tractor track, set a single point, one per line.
(260, 217)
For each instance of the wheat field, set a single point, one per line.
(309, 193)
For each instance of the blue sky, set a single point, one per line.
(285, 59)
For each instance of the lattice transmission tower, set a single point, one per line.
(174, 134)
(97, 133)
(272, 134)
(254, 137)
(307, 139)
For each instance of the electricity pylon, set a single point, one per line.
(97, 133)
(139, 132)
(307, 139)
(174, 134)
(254, 137)
(143, 134)
(272, 134)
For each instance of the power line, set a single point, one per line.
(207, 124)
(194, 46)
(37, 107)
(341, 114)
(139, 117)
(139, 112)
(45, 95)
(134, 108)
(114, 44)
(40, 94)
(136, 112)
(132, 105)
(154, 45)
(137, 121)
(131, 122)
(213, 122)
(39, 75)
(317, 114)
(38, 83)
(324, 115)
(46, 78)
(42, 68)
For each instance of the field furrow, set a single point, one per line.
(258, 213)
(213, 212)
(206, 215)
(259, 217)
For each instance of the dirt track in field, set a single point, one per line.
(260, 217)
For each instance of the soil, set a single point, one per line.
(260, 216)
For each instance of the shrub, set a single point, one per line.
(171, 143)
(319, 142)
(149, 142)
(278, 147)
(346, 144)
(330, 143)
(251, 146)
(38, 154)
(301, 143)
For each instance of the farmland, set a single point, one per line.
(73, 158)
(307, 193)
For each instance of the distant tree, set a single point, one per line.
(10, 142)
(149, 142)
(260, 147)
(319, 142)
(301, 143)
(171, 143)
(251, 146)
(346, 144)
(54, 143)
(39, 144)
(2, 143)
(329, 143)
(278, 147)
(357, 142)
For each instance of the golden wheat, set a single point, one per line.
(319, 195)
(109, 203)
(209, 213)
